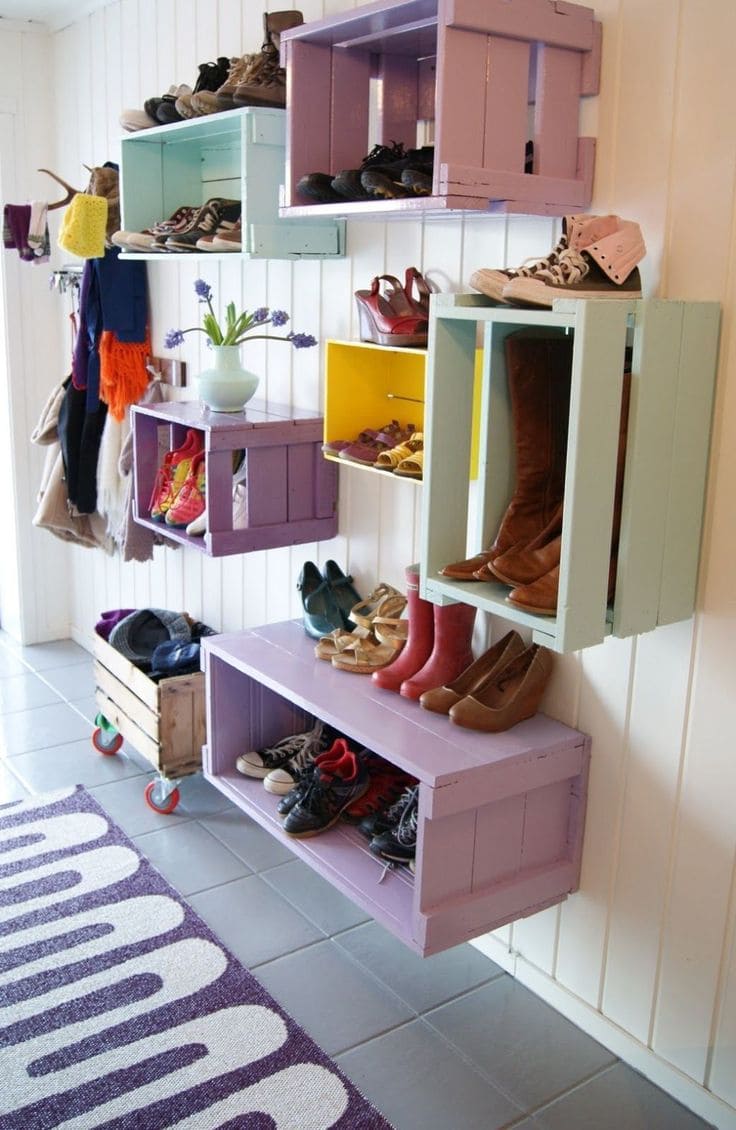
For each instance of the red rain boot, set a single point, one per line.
(420, 639)
(451, 654)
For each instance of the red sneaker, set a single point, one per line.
(172, 475)
(190, 502)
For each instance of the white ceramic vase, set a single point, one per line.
(226, 386)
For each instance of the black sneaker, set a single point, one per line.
(331, 789)
(348, 183)
(378, 822)
(399, 844)
(409, 175)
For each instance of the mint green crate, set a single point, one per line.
(239, 154)
(675, 354)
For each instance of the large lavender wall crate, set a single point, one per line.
(483, 78)
(500, 816)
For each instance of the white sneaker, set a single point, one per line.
(198, 527)
(262, 762)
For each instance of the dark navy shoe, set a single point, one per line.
(345, 594)
(320, 611)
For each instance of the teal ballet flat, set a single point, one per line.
(321, 614)
(345, 594)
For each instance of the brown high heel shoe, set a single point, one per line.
(513, 694)
(480, 671)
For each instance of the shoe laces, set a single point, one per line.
(571, 267)
(307, 749)
(396, 811)
(406, 830)
(292, 747)
(531, 267)
(162, 484)
(382, 154)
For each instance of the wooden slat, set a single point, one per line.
(556, 111)
(506, 86)
(649, 454)
(131, 732)
(690, 446)
(595, 406)
(568, 25)
(144, 718)
(129, 675)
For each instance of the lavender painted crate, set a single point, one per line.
(291, 492)
(500, 816)
(480, 70)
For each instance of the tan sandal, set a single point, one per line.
(389, 460)
(390, 630)
(412, 467)
(385, 600)
(337, 641)
(363, 656)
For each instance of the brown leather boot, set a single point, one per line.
(540, 594)
(539, 368)
(513, 695)
(528, 564)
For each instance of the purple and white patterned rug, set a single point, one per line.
(119, 1008)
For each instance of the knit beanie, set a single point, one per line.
(83, 226)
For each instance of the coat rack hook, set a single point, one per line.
(70, 192)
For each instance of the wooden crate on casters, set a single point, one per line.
(164, 721)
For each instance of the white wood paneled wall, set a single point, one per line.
(643, 956)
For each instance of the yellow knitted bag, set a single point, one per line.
(83, 226)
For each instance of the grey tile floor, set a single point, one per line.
(446, 1043)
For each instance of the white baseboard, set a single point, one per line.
(631, 1051)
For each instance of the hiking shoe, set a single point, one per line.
(190, 501)
(305, 746)
(399, 843)
(605, 268)
(208, 220)
(387, 783)
(348, 182)
(407, 175)
(333, 786)
(263, 82)
(172, 474)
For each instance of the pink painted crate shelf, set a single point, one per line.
(489, 74)
(291, 491)
(500, 816)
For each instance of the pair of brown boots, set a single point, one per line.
(526, 551)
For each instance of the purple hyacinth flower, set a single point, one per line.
(302, 341)
(173, 338)
(203, 290)
(279, 317)
(260, 315)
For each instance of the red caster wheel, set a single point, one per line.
(158, 801)
(107, 743)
